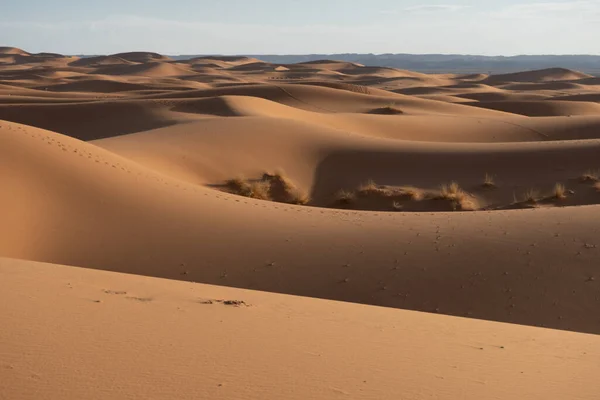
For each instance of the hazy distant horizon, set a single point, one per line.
(464, 27)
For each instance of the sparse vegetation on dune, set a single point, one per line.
(559, 192)
(298, 197)
(531, 196)
(488, 181)
(458, 198)
(590, 176)
(276, 187)
(373, 196)
(239, 186)
(369, 196)
(370, 188)
(255, 190)
(345, 197)
(355, 88)
(411, 193)
(450, 191)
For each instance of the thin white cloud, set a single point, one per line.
(436, 7)
(584, 8)
(116, 22)
(426, 9)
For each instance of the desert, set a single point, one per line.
(227, 227)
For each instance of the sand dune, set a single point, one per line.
(151, 69)
(98, 197)
(542, 75)
(473, 196)
(101, 60)
(542, 108)
(141, 56)
(122, 336)
(13, 51)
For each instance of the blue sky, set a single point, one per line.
(487, 27)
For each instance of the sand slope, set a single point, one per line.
(95, 209)
(86, 334)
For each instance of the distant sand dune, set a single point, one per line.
(542, 75)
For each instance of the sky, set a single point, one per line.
(482, 27)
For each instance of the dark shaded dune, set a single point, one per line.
(207, 66)
(433, 165)
(502, 96)
(7, 59)
(91, 120)
(544, 86)
(232, 59)
(593, 81)
(109, 86)
(547, 108)
(141, 56)
(253, 66)
(472, 77)
(13, 51)
(100, 61)
(447, 98)
(23, 98)
(49, 55)
(542, 75)
(214, 80)
(294, 77)
(473, 86)
(356, 70)
(350, 87)
(217, 106)
(425, 90)
(591, 97)
(386, 111)
(325, 62)
(48, 60)
(23, 75)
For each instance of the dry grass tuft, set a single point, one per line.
(411, 193)
(531, 196)
(370, 188)
(260, 190)
(451, 191)
(275, 187)
(488, 181)
(255, 190)
(345, 197)
(297, 197)
(239, 186)
(559, 192)
(459, 199)
(397, 206)
(282, 189)
(590, 176)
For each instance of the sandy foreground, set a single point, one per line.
(78, 333)
(473, 196)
